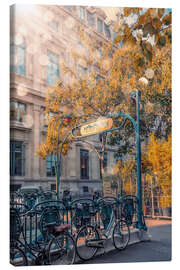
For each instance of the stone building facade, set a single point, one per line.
(41, 37)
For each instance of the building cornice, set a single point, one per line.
(19, 126)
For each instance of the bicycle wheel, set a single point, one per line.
(18, 257)
(62, 249)
(121, 235)
(86, 233)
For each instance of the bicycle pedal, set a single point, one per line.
(98, 243)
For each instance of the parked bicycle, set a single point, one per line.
(57, 247)
(91, 237)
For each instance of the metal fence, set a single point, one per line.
(35, 213)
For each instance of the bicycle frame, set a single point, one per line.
(108, 231)
(29, 251)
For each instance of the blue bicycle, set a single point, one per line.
(91, 237)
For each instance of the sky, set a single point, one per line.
(111, 12)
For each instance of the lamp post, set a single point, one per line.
(135, 96)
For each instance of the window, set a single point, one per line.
(114, 36)
(18, 57)
(99, 52)
(79, 42)
(53, 25)
(99, 78)
(47, 118)
(99, 26)
(17, 111)
(53, 187)
(107, 31)
(14, 188)
(50, 165)
(17, 158)
(52, 69)
(105, 162)
(85, 189)
(69, 8)
(84, 163)
(90, 18)
(82, 70)
(81, 13)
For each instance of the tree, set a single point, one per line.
(158, 163)
(144, 63)
(125, 170)
(103, 75)
(146, 37)
(87, 97)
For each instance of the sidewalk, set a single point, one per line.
(136, 236)
(157, 250)
(157, 222)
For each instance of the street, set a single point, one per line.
(158, 249)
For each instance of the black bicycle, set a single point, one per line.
(57, 247)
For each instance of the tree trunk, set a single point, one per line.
(102, 161)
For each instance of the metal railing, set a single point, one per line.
(74, 212)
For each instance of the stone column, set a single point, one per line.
(77, 162)
(28, 168)
(71, 163)
(94, 165)
(29, 143)
(36, 140)
(38, 63)
(111, 161)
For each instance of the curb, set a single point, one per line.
(158, 217)
(136, 236)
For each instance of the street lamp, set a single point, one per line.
(135, 96)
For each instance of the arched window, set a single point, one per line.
(17, 111)
(52, 69)
(17, 158)
(99, 25)
(107, 30)
(81, 13)
(84, 163)
(18, 55)
(50, 166)
(90, 18)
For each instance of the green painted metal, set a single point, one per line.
(135, 95)
(138, 160)
(96, 211)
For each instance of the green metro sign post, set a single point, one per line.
(105, 125)
(136, 95)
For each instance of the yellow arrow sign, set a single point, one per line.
(96, 127)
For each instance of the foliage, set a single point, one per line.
(158, 163)
(144, 63)
(87, 96)
(58, 127)
(125, 170)
(99, 82)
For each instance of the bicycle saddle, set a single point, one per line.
(62, 227)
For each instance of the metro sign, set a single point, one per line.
(96, 127)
